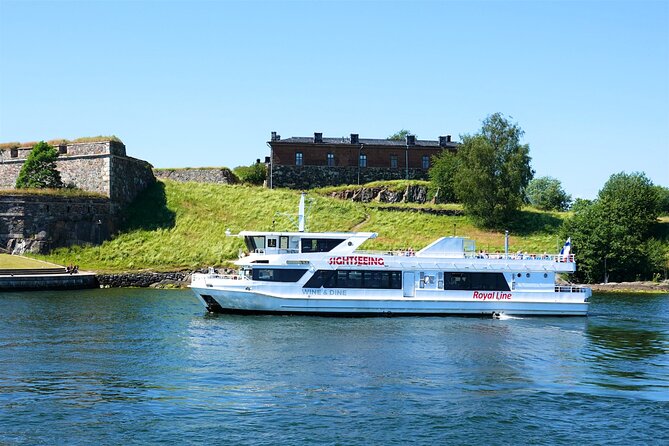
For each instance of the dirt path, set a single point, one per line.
(362, 223)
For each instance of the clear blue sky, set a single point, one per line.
(204, 83)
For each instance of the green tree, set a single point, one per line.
(493, 172)
(442, 174)
(255, 174)
(663, 199)
(399, 136)
(612, 236)
(39, 170)
(546, 193)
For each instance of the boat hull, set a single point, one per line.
(242, 301)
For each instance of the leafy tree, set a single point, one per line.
(39, 170)
(442, 174)
(255, 174)
(399, 136)
(663, 199)
(493, 172)
(580, 203)
(546, 193)
(612, 236)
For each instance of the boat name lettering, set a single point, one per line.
(356, 260)
(322, 292)
(492, 295)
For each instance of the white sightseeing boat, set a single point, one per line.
(325, 273)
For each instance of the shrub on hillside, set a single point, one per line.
(254, 174)
(39, 170)
(546, 193)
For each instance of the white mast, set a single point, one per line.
(300, 214)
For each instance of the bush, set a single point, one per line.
(39, 170)
(546, 193)
(663, 199)
(254, 174)
(442, 173)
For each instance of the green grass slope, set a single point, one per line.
(181, 226)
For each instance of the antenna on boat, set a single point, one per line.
(506, 244)
(300, 213)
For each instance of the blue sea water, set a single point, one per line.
(127, 366)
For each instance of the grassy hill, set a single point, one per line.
(181, 226)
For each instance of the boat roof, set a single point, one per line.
(331, 235)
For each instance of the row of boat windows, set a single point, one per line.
(385, 280)
(277, 275)
(373, 279)
(475, 281)
(259, 242)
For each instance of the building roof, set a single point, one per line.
(365, 141)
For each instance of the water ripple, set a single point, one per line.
(147, 366)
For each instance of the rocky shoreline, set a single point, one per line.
(631, 287)
(149, 279)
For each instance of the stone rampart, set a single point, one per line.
(39, 223)
(128, 177)
(197, 175)
(308, 177)
(102, 167)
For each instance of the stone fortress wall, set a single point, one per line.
(198, 175)
(102, 167)
(38, 223)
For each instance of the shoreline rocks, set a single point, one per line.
(177, 279)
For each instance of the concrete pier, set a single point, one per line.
(44, 282)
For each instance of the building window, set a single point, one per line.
(298, 158)
(363, 160)
(426, 161)
(330, 159)
(14, 153)
(393, 162)
(62, 149)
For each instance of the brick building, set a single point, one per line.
(306, 162)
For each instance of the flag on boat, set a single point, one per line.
(566, 249)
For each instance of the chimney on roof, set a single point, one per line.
(275, 137)
(442, 141)
(318, 137)
(354, 138)
(411, 140)
(448, 138)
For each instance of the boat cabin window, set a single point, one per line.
(320, 244)
(254, 243)
(387, 280)
(271, 243)
(278, 274)
(283, 242)
(475, 281)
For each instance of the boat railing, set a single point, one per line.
(570, 289)
(213, 274)
(560, 258)
(228, 276)
(478, 255)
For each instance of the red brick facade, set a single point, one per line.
(381, 158)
